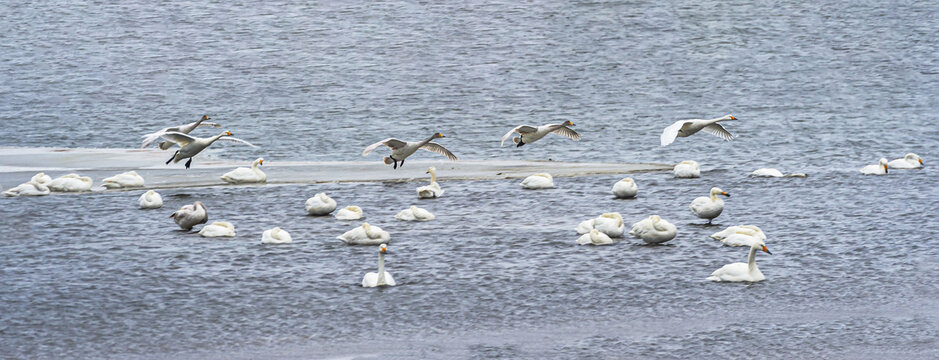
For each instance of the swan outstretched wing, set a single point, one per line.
(393, 143)
(237, 140)
(150, 138)
(566, 132)
(178, 137)
(521, 129)
(719, 131)
(671, 132)
(437, 148)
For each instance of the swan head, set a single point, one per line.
(544, 175)
(226, 133)
(568, 123)
(655, 219)
(717, 191)
(729, 117)
(259, 161)
(431, 170)
(354, 208)
(366, 226)
(759, 245)
(883, 162)
(383, 249)
(438, 135)
(628, 181)
(150, 193)
(205, 117)
(912, 156)
(199, 204)
(690, 163)
(413, 208)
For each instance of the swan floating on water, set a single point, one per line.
(190, 215)
(276, 236)
(709, 207)
(71, 183)
(430, 191)
(349, 213)
(190, 146)
(414, 213)
(769, 172)
(320, 204)
(737, 272)
(538, 181)
(529, 134)
(740, 235)
(687, 169)
(218, 229)
(400, 150)
(365, 235)
(382, 277)
(594, 237)
(128, 179)
(910, 161)
(31, 188)
(625, 189)
(185, 129)
(610, 224)
(879, 169)
(685, 128)
(150, 200)
(654, 230)
(246, 175)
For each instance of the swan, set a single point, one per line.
(654, 230)
(185, 129)
(529, 134)
(189, 215)
(910, 161)
(71, 183)
(41, 178)
(30, 188)
(414, 213)
(246, 175)
(879, 169)
(349, 213)
(742, 271)
(625, 188)
(685, 128)
(768, 172)
(709, 207)
(538, 181)
(400, 150)
(276, 236)
(382, 277)
(189, 146)
(687, 169)
(610, 224)
(430, 191)
(128, 179)
(320, 204)
(151, 200)
(218, 229)
(748, 230)
(594, 237)
(365, 235)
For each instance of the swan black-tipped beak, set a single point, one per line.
(766, 250)
(725, 194)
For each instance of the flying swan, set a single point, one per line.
(685, 128)
(185, 129)
(400, 150)
(529, 134)
(190, 146)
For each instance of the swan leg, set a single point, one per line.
(402, 162)
(189, 163)
(172, 157)
(393, 159)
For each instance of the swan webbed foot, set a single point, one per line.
(172, 157)
(189, 163)
(520, 143)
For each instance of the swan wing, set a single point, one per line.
(393, 143)
(237, 140)
(671, 132)
(719, 131)
(209, 124)
(178, 137)
(566, 132)
(437, 148)
(521, 129)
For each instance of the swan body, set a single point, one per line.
(594, 237)
(685, 128)
(654, 230)
(768, 172)
(746, 230)
(737, 272)
(128, 179)
(190, 215)
(41, 178)
(625, 188)
(687, 169)
(246, 175)
(320, 204)
(432, 190)
(610, 224)
(185, 129)
(879, 169)
(150, 200)
(349, 213)
(400, 150)
(414, 213)
(538, 181)
(709, 207)
(382, 277)
(189, 146)
(365, 235)
(529, 134)
(218, 229)
(910, 161)
(276, 236)
(30, 188)
(71, 183)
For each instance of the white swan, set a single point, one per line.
(382, 277)
(529, 134)
(910, 161)
(276, 236)
(709, 207)
(246, 175)
(218, 229)
(742, 271)
(189, 215)
(625, 188)
(610, 224)
(414, 213)
(41, 178)
(538, 181)
(687, 169)
(30, 188)
(879, 169)
(400, 150)
(150, 200)
(365, 235)
(128, 179)
(748, 230)
(189, 146)
(685, 128)
(654, 230)
(769, 172)
(594, 237)
(71, 183)
(320, 204)
(349, 213)
(430, 191)
(185, 129)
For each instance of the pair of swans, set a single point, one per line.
(185, 129)
(738, 272)
(610, 224)
(124, 180)
(382, 277)
(365, 235)
(432, 190)
(218, 229)
(38, 185)
(189, 145)
(538, 181)
(910, 161)
(246, 175)
(190, 215)
(709, 207)
(625, 189)
(685, 128)
(654, 230)
(414, 213)
(71, 183)
(529, 134)
(349, 213)
(400, 150)
(276, 236)
(320, 204)
(769, 172)
(150, 200)
(687, 169)
(739, 235)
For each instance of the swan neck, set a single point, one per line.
(381, 268)
(433, 177)
(751, 259)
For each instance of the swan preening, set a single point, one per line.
(128, 179)
(365, 235)
(709, 207)
(742, 271)
(190, 215)
(382, 277)
(218, 229)
(685, 128)
(414, 213)
(185, 129)
(276, 236)
(246, 175)
(910, 161)
(30, 188)
(189, 146)
(320, 204)
(610, 224)
(740, 235)
(769, 172)
(41, 178)
(432, 190)
(400, 150)
(654, 230)
(625, 189)
(687, 169)
(71, 183)
(594, 237)
(150, 200)
(538, 181)
(529, 134)
(349, 213)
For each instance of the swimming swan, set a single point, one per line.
(349, 213)
(430, 191)
(246, 175)
(150, 200)
(414, 213)
(654, 230)
(910, 161)
(189, 215)
(625, 188)
(185, 129)
(709, 207)
(71, 183)
(687, 169)
(685, 128)
(128, 179)
(382, 277)
(218, 229)
(538, 181)
(594, 237)
(742, 271)
(768, 172)
(400, 150)
(749, 230)
(320, 204)
(610, 224)
(879, 169)
(529, 134)
(189, 146)
(276, 236)
(365, 235)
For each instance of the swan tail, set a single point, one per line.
(388, 161)
(517, 140)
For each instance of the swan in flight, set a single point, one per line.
(685, 128)
(150, 200)
(654, 230)
(189, 215)
(687, 169)
(430, 191)
(30, 188)
(879, 169)
(218, 229)
(276, 236)
(768, 172)
(625, 189)
(709, 207)
(414, 213)
(400, 150)
(594, 237)
(349, 213)
(71, 183)
(246, 175)
(185, 129)
(128, 179)
(190, 146)
(742, 271)
(910, 161)
(610, 224)
(538, 181)
(320, 204)
(365, 235)
(740, 235)
(382, 277)
(529, 134)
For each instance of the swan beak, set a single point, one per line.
(205, 117)
(260, 162)
(733, 118)
(885, 168)
(725, 193)
(921, 161)
(228, 133)
(766, 250)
